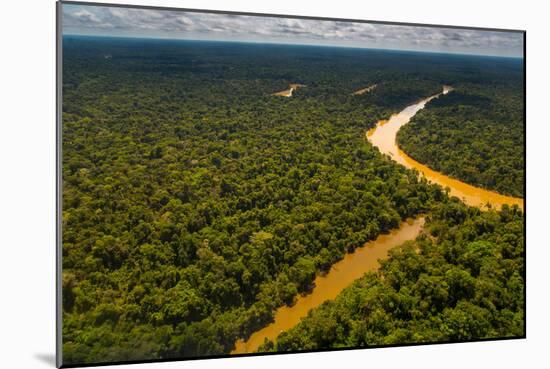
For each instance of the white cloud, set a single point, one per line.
(86, 16)
(86, 19)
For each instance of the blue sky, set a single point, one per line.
(129, 22)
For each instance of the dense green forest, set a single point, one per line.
(475, 134)
(195, 203)
(461, 280)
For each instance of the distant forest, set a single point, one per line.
(195, 203)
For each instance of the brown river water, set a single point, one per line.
(383, 136)
(291, 88)
(366, 258)
(327, 287)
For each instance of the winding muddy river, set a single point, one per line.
(364, 90)
(291, 88)
(365, 258)
(327, 287)
(383, 136)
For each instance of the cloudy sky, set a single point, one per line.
(126, 22)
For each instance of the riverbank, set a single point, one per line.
(383, 136)
(291, 88)
(366, 258)
(365, 90)
(327, 287)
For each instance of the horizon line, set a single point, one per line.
(521, 57)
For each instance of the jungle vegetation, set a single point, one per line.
(461, 280)
(475, 133)
(195, 203)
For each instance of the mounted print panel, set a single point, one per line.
(233, 184)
